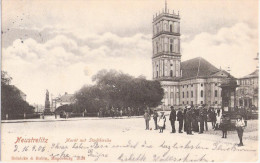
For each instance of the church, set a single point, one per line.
(192, 82)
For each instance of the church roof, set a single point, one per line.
(252, 75)
(197, 68)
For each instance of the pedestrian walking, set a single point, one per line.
(180, 119)
(224, 125)
(240, 125)
(172, 119)
(147, 119)
(155, 116)
(161, 122)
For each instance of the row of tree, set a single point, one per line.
(118, 90)
(11, 100)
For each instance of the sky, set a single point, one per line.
(59, 45)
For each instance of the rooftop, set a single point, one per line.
(252, 75)
(198, 68)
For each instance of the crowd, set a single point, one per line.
(194, 119)
(119, 112)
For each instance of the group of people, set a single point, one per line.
(119, 112)
(195, 119)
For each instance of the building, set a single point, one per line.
(247, 92)
(65, 99)
(192, 82)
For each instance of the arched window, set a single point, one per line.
(170, 27)
(171, 73)
(201, 93)
(165, 27)
(216, 93)
(171, 45)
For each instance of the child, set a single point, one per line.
(240, 125)
(161, 122)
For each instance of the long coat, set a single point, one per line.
(172, 115)
(179, 116)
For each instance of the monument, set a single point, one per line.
(47, 103)
(228, 94)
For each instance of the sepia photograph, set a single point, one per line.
(129, 81)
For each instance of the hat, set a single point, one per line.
(172, 107)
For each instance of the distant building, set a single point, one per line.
(23, 95)
(65, 99)
(247, 92)
(192, 82)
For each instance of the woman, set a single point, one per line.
(161, 122)
(240, 125)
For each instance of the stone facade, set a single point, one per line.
(193, 82)
(247, 92)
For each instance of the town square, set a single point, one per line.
(128, 81)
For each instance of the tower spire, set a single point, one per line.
(165, 6)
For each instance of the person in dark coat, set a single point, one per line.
(195, 123)
(201, 119)
(180, 119)
(173, 119)
(188, 120)
(155, 116)
(213, 118)
(205, 117)
(224, 125)
(185, 121)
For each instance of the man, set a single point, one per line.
(180, 119)
(213, 118)
(188, 120)
(195, 116)
(155, 116)
(185, 119)
(205, 117)
(173, 119)
(201, 119)
(147, 119)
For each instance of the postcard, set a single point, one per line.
(129, 81)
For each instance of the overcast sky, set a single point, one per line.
(59, 45)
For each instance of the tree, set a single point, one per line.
(11, 100)
(118, 90)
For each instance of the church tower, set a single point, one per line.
(166, 60)
(166, 45)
